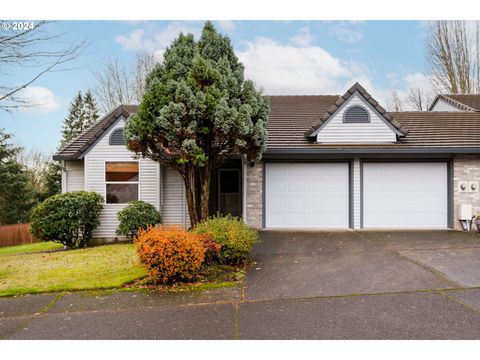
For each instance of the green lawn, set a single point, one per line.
(35, 247)
(91, 268)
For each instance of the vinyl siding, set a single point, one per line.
(375, 131)
(175, 210)
(442, 105)
(149, 182)
(74, 176)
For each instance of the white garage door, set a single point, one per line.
(308, 195)
(405, 195)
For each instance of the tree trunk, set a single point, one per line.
(205, 191)
(197, 189)
(191, 194)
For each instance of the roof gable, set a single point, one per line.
(358, 90)
(78, 146)
(464, 102)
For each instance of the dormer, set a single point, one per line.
(356, 118)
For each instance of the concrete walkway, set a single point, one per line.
(337, 285)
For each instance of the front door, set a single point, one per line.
(229, 192)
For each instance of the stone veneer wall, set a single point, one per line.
(254, 195)
(465, 167)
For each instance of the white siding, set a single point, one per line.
(149, 184)
(375, 131)
(442, 105)
(73, 176)
(175, 209)
(356, 194)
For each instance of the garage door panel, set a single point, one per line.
(405, 195)
(306, 195)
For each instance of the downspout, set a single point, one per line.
(64, 177)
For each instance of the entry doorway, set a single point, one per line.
(230, 191)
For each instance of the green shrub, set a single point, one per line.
(137, 215)
(68, 218)
(235, 237)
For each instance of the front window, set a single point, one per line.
(121, 180)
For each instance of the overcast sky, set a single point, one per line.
(282, 57)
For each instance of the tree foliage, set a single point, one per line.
(16, 191)
(197, 111)
(45, 175)
(83, 113)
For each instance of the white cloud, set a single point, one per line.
(157, 41)
(293, 70)
(345, 31)
(303, 38)
(38, 99)
(226, 25)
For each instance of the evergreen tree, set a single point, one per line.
(16, 192)
(82, 114)
(91, 109)
(52, 180)
(72, 125)
(196, 112)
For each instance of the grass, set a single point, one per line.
(35, 247)
(100, 267)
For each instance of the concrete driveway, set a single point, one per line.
(310, 264)
(324, 285)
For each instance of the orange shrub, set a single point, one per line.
(169, 252)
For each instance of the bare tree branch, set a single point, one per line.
(453, 57)
(23, 49)
(118, 85)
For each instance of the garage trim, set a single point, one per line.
(311, 161)
(449, 163)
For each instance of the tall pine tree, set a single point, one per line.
(82, 114)
(91, 110)
(16, 191)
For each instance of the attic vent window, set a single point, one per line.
(356, 114)
(116, 138)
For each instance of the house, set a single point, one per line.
(459, 102)
(331, 162)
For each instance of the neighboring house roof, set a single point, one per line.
(291, 117)
(465, 102)
(75, 148)
(356, 88)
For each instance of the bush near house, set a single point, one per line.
(170, 253)
(68, 218)
(235, 237)
(137, 215)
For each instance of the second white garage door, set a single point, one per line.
(405, 195)
(306, 195)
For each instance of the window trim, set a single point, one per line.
(111, 135)
(105, 182)
(356, 122)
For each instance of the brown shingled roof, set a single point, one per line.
(291, 116)
(75, 148)
(470, 102)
